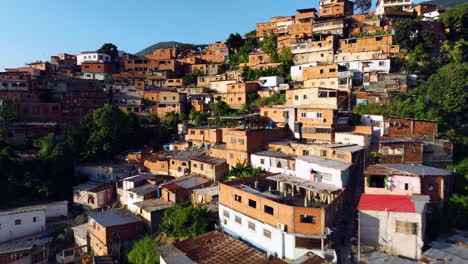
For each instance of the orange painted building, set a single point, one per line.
(247, 87)
(336, 8)
(163, 54)
(376, 44)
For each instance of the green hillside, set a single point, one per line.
(445, 3)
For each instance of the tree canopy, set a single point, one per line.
(183, 220)
(234, 42)
(363, 5)
(448, 88)
(144, 252)
(242, 171)
(109, 49)
(192, 77)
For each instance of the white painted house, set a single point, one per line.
(28, 220)
(296, 71)
(383, 4)
(273, 161)
(368, 66)
(92, 57)
(270, 81)
(323, 170)
(20, 222)
(377, 123)
(395, 224)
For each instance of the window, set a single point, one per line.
(267, 209)
(431, 187)
(233, 140)
(278, 165)
(251, 226)
(195, 165)
(237, 198)
(304, 115)
(305, 153)
(35, 219)
(340, 156)
(241, 141)
(252, 203)
(381, 63)
(296, 97)
(309, 219)
(184, 164)
(262, 161)
(406, 227)
(238, 220)
(267, 233)
(226, 214)
(323, 152)
(319, 115)
(406, 186)
(18, 222)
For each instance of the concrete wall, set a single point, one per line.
(270, 164)
(333, 176)
(378, 228)
(31, 223)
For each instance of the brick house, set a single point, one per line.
(276, 214)
(401, 150)
(210, 167)
(336, 8)
(108, 229)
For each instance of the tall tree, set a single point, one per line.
(234, 42)
(363, 5)
(109, 49)
(107, 132)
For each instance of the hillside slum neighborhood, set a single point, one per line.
(334, 187)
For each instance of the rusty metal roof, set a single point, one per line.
(214, 248)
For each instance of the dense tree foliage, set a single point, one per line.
(219, 108)
(185, 221)
(234, 42)
(109, 49)
(144, 252)
(192, 77)
(448, 88)
(275, 99)
(198, 118)
(100, 136)
(456, 19)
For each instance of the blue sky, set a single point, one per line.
(34, 30)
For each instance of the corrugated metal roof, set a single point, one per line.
(386, 202)
(381, 258)
(22, 244)
(209, 160)
(213, 248)
(115, 217)
(421, 170)
(275, 154)
(144, 189)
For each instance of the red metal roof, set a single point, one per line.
(391, 203)
(173, 187)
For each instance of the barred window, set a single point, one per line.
(406, 227)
